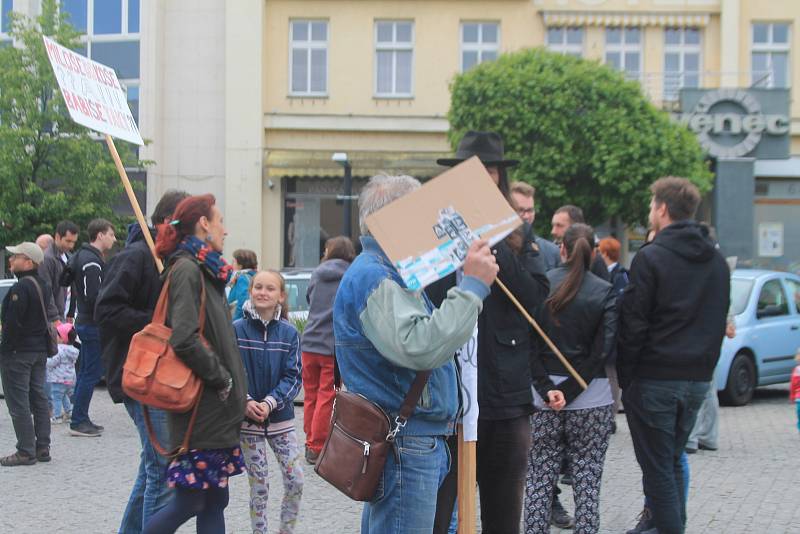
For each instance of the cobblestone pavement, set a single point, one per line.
(748, 486)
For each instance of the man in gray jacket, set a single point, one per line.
(55, 258)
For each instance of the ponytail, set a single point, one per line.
(183, 222)
(577, 241)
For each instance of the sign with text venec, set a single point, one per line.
(93, 94)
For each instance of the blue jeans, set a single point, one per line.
(59, 398)
(150, 492)
(89, 373)
(661, 415)
(686, 480)
(405, 501)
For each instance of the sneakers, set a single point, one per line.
(311, 456)
(97, 427)
(645, 523)
(559, 517)
(16, 459)
(86, 430)
(56, 420)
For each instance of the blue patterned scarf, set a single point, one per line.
(212, 259)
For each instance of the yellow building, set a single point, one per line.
(282, 85)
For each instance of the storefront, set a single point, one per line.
(756, 197)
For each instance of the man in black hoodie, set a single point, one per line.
(125, 305)
(86, 273)
(671, 326)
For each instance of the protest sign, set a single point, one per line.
(427, 233)
(93, 94)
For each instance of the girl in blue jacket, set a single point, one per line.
(269, 347)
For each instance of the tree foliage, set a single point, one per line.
(583, 134)
(50, 167)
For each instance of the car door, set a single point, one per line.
(793, 292)
(774, 332)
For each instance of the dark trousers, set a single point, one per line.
(89, 373)
(661, 414)
(23, 375)
(502, 451)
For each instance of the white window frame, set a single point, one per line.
(394, 46)
(563, 47)
(480, 47)
(124, 34)
(771, 48)
(623, 48)
(309, 45)
(682, 49)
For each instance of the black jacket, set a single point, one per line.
(86, 267)
(504, 380)
(585, 333)
(50, 271)
(125, 304)
(24, 322)
(674, 308)
(618, 276)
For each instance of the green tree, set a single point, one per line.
(583, 134)
(50, 167)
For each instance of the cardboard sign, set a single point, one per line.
(93, 94)
(426, 234)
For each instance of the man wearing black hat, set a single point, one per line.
(504, 383)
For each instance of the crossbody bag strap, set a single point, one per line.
(41, 297)
(407, 408)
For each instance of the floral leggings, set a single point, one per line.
(582, 437)
(255, 456)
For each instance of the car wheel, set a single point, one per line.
(741, 381)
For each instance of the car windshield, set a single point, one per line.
(296, 289)
(740, 293)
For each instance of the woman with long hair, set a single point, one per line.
(579, 317)
(317, 345)
(192, 245)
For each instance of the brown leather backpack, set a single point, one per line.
(156, 377)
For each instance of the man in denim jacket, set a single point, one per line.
(385, 333)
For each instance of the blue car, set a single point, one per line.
(766, 309)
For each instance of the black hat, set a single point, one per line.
(488, 146)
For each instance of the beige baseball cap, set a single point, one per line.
(31, 250)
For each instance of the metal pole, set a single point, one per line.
(348, 193)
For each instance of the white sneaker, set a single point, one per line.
(56, 420)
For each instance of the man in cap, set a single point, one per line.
(23, 357)
(505, 400)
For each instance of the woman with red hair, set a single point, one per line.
(192, 245)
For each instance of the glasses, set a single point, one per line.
(525, 211)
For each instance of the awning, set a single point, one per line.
(616, 18)
(778, 168)
(296, 163)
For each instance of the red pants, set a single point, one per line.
(318, 398)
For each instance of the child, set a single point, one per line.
(794, 392)
(61, 374)
(269, 347)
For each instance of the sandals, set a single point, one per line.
(17, 459)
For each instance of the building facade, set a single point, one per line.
(250, 99)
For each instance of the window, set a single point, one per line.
(681, 60)
(772, 300)
(624, 51)
(565, 40)
(479, 42)
(308, 65)
(794, 289)
(770, 55)
(394, 58)
(6, 6)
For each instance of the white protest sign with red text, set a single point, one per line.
(93, 94)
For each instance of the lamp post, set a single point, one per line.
(347, 197)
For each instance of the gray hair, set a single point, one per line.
(381, 190)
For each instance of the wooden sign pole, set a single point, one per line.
(538, 329)
(134, 202)
(467, 456)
